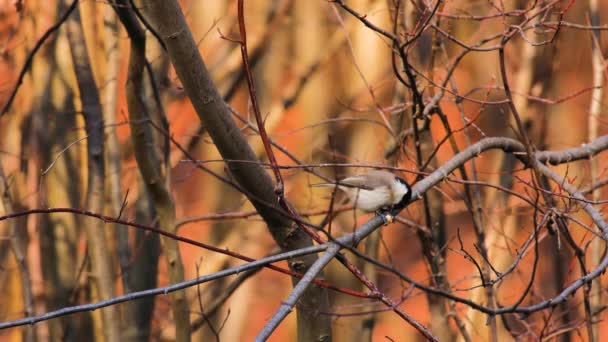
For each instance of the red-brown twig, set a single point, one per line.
(254, 101)
(162, 232)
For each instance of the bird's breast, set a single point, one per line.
(371, 200)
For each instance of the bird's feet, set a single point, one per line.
(386, 216)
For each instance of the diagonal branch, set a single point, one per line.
(347, 241)
(30, 56)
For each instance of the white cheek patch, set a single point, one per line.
(400, 190)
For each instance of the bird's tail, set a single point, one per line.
(324, 185)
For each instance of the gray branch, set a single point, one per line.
(508, 146)
(332, 248)
(297, 292)
(163, 290)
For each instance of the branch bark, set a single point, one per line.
(91, 108)
(505, 144)
(597, 60)
(18, 241)
(148, 161)
(167, 17)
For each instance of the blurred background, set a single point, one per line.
(331, 98)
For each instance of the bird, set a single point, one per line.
(376, 191)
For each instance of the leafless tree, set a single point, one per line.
(158, 158)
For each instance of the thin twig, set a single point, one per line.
(30, 57)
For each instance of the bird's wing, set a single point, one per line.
(357, 181)
(349, 182)
(380, 178)
(372, 180)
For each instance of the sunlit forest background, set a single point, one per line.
(342, 87)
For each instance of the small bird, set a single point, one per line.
(376, 191)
